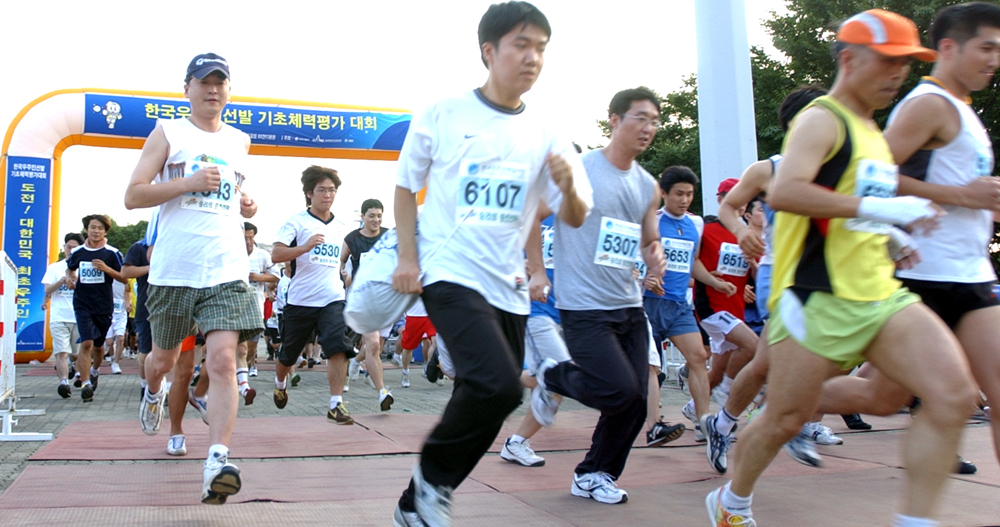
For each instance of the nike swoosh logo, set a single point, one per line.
(470, 136)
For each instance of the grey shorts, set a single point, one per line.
(543, 340)
(176, 313)
(64, 337)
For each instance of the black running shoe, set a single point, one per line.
(431, 369)
(88, 393)
(854, 422)
(964, 466)
(64, 390)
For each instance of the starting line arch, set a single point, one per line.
(31, 163)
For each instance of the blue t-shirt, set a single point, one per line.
(94, 292)
(679, 238)
(136, 257)
(547, 308)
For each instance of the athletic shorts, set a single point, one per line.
(199, 339)
(143, 336)
(255, 338)
(415, 330)
(718, 326)
(92, 327)
(119, 321)
(188, 343)
(130, 326)
(176, 312)
(836, 329)
(300, 322)
(763, 290)
(542, 340)
(273, 335)
(669, 318)
(951, 301)
(64, 337)
(385, 332)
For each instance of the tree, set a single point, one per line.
(122, 237)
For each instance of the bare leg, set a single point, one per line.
(336, 372)
(653, 398)
(83, 359)
(220, 349)
(373, 360)
(694, 353)
(183, 371)
(979, 334)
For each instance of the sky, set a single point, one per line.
(390, 53)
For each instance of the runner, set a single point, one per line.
(93, 301)
(262, 273)
(487, 161)
(62, 317)
(136, 266)
(600, 302)
(838, 169)
(124, 298)
(311, 242)
(190, 167)
(417, 331)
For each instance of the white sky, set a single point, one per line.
(388, 53)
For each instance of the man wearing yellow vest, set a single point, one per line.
(835, 302)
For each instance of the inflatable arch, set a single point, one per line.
(30, 168)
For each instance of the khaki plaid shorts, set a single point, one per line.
(176, 313)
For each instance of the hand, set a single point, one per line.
(406, 278)
(561, 172)
(539, 287)
(314, 240)
(101, 266)
(909, 261)
(70, 282)
(128, 307)
(723, 286)
(929, 224)
(248, 207)
(751, 244)
(982, 193)
(748, 295)
(347, 278)
(654, 284)
(207, 179)
(656, 263)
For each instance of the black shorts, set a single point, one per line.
(273, 335)
(299, 324)
(93, 327)
(951, 300)
(130, 326)
(144, 337)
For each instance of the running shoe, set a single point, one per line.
(598, 486)
(854, 422)
(405, 381)
(252, 372)
(150, 413)
(94, 377)
(87, 394)
(221, 480)
(719, 396)
(543, 404)
(520, 453)
(720, 517)
(802, 450)
(431, 370)
(295, 379)
(199, 404)
(249, 396)
(397, 360)
(822, 435)
(402, 518)
(353, 369)
(64, 390)
(116, 369)
(682, 379)
(688, 411)
(280, 398)
(433, 503)
(302, 362)
(663, 433)
(385, 400)
(717, 448)
(72, 371)
(176, 446)
(312, 362)
(77, 381)
(964, 466)
(339, 415)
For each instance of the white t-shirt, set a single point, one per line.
(260, 263)
(119, 290)
(199, 236)
(418, 309)
(61, 305)
(484, 170)
(316, 274)
(281, 294)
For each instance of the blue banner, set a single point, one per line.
(26, 239)
(267, 124)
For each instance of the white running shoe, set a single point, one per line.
(151, 413)
(720, 397)
(521, 454)
(543, 404)
(802, 450)
(598, 486)
(433, 503)
(252, 372)
(397, 360)
(199, 404)
(689, 412)
(821, 434)
(116, 369)
(221, 479)
(176, 446)
(405, 382)
(353, 369)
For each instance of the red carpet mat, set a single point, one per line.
(129, 367)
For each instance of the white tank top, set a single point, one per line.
(199, 236)
(958, 250)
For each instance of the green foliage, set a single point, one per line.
(122, 237)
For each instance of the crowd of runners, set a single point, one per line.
(848, 274)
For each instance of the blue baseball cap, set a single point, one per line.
(206, 63)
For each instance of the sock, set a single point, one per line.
(397, 356)
(727, 383)
(279, 384)
(94, 372)
(64, 381)
(335, 400)
(242, 375)
(154, 397)
(517, 439)
(406, 371)
(724, 422)
(86, 382)
(217, 452)
(143, 384)
(909, 521)
(166, 385)
(734, 503)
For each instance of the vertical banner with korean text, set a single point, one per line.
(25, 239)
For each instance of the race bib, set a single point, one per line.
(326, 254)
(731, 260)
(877, 179)
(984, 163)
(119, 306)
(640, 270)
(89, 274)
(617, 243)
(491, 193)
(548, 256)
(678, 254)
(224, 200)
(65, 291)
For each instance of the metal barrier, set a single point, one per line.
(8, 345)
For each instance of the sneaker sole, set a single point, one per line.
(582, 493)
(386, 403)
(177, 453)
(249, 397)
(281, 403)
(711, 505)
(334, 421)
(226, 483)
(516, 461)
(672, 437)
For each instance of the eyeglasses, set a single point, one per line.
(324, 190)
(645, 121)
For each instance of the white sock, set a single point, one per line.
(517, 439)
(94, 372)
(86, 382)
(242, 375)
(397, 356)
(724, 422)
(154, 397)
(335, 400)
(64, 381)
(279, 384)
(909, 521)
(406, 371)
(727, 383)
(734, 503)
(143, 383)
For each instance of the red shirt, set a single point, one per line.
(721, 252)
